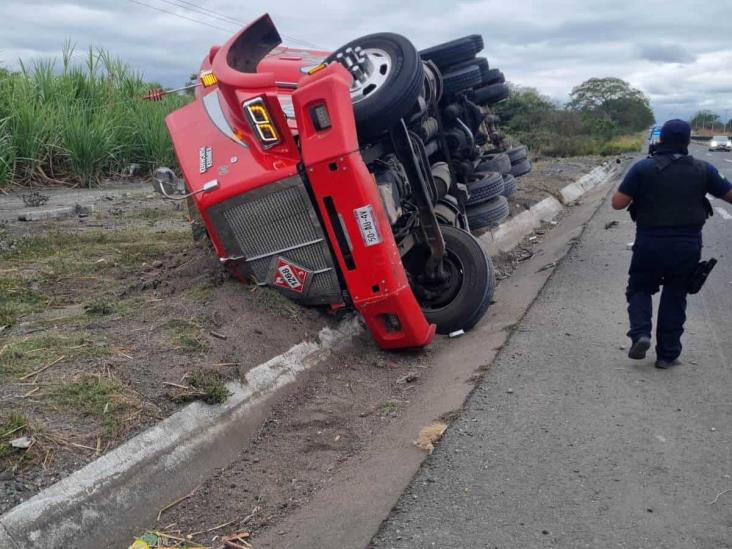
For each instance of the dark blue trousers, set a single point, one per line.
(668, 261)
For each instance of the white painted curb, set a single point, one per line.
(87, 508)
(507, 235)
(597, 176)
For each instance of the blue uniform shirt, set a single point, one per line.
(717, 186)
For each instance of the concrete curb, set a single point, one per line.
(507, 235)
(597, 176)
(92, 507)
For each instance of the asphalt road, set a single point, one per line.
(568, 443)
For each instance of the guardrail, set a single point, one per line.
(701, 137)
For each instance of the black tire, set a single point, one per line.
(461, 79)
(448, 212)
(480, 62)
(486, 188)
(455, 51)
(493, 76)
(517, 154)
(488, 214)
(509, 186)
(489, 95)
(378, 111)
(494, 163)
(474, 283)
(521, 168)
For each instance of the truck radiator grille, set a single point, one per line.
(278, 221)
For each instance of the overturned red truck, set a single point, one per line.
(351, 178)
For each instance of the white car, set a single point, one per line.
(720, 143)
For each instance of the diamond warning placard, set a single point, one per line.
(290, 276)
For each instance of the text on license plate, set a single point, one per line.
(367, 225)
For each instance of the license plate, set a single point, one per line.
(367, 225)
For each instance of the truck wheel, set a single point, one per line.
(461, 300)
(388, 79)
(461, 79)
(521, 168)
(493, 76)
(480, 62)
(517, 154)
(509, 186)
(488, 95)
(489, 186)
(494, 163)
(452, 52)
(488, 214)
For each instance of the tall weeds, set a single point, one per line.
(79, 122)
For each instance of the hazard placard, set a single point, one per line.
(290, 276)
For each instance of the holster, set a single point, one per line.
(699, 276)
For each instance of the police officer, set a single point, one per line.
(666, 196)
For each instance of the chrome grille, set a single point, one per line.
(278, 221)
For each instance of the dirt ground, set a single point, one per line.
(113, 320)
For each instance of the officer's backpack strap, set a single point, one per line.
(663, 161)
(701, 166)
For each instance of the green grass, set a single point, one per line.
(80, 122)
(26, 354)
(17, 298)
(102, 306)
(186, 337)
(93, 396)
(211, 384)
(389, 407)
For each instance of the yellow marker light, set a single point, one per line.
(261, 122)
(208, 79)
(317, 68)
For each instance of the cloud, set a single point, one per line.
(552, 45)
(665, 53)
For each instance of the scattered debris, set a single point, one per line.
(22, 443)
(718, 496)
(177, 501)
(429, 435)
(611, 224)
(456, 333)
(548, 266)
(509, 391)
(237, 541)
(34, 199)
(411, 377)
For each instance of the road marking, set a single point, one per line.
(724, 213)
(727, 160)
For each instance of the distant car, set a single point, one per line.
(654, 138)
(720, 143)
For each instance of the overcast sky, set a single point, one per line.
(677, 51)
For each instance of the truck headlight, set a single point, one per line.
(262, 122)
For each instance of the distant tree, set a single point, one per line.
(611, 105)
(705, 119)
(192, 79)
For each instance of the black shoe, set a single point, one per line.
(666, 364)
(640, 346)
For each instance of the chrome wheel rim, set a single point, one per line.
(370, 68)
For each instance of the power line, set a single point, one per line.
(179, 15)
(213, 14)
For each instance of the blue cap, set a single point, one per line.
(676, 132)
